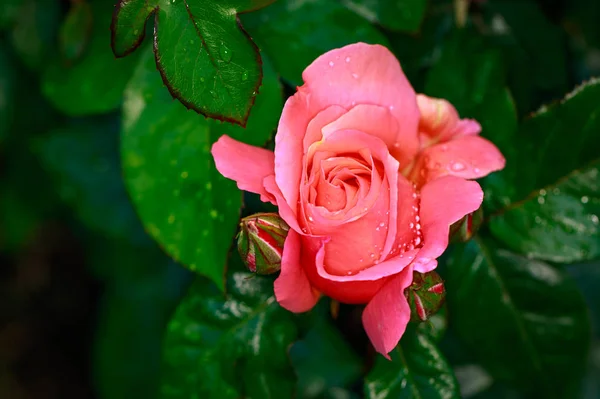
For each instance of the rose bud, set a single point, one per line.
(465, 228)
(425, 295)
(260, 242)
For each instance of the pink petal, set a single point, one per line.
(440, 121)
(367, 74)
(371, 119)
(292, 288)
(246, 164)
(295, 125)
(350, 290)
(443, 202)
(286, 213)
(469, 157)
(387, 314)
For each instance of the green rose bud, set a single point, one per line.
(465, 228)
(260, 242)
(425, 295)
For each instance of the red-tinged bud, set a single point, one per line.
(465, 228)
(260, 242)
(425, 295)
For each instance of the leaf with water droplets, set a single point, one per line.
(540, 211)
(201, 51)
(183, 202)
(232, 346)
(500, 300)
(417, 370)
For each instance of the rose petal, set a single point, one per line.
(469, 157)
(293, 128)
(367, 74)
(387, 314)
(284, 210)
(440, 121)
(292, 288)
(443, 202)
(371, 119)
(349, 291)
(246, 164)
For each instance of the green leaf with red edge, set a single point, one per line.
(525, 320)
(184, 203)
(418, 369)
(206, 59)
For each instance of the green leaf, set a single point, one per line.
(547, 200)
(405, 15)
(543, 44)
(417, 370)
(81, 88)
(525, 320)
(206, 59)
(184, 203)
(295, 32)
(76, 30)
(227, 347)
(324, 361)
(34, 31)
(83, 160)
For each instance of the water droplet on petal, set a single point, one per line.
(331, 64)
(355, 75)
(457, 166)
(310, 219)
(372, 255)
(347, 59)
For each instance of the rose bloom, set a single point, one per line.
(369, 176)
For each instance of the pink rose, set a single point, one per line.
(369, 176)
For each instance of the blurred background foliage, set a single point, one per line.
(86, 291)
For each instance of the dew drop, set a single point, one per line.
(594, 219)
(418, 226)
(331, 64)
(417, 240)
(310, 219)
(542, 192)
(412, 225)
(245, 75)
(347, 59)
(444, 147)
(458, 166)
(476, 170)
(381, 224)
(202, 79)
(584, 199)
(355, 75)
(213, 93)
(541, 200)
(225, 53)
(372, 255)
